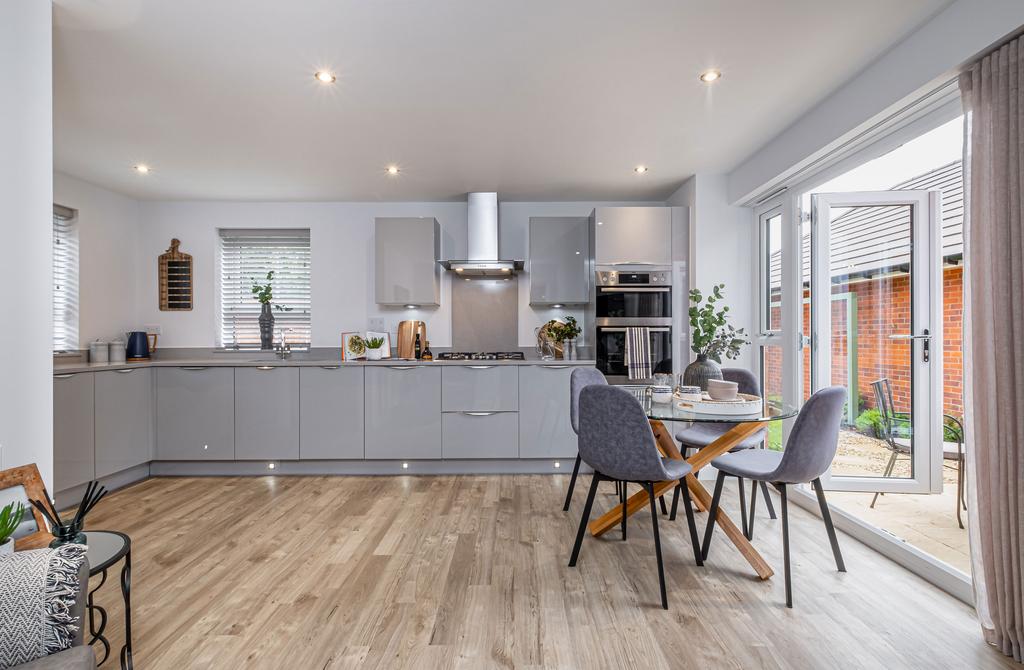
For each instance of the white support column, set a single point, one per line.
(26, 200)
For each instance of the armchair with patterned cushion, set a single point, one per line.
(43, 596)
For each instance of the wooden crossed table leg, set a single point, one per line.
(667, 445)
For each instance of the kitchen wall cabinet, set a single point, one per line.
(544, 428)
(406, 254)
(632, 235)
(480, 435)
(480, 388)
(266, 413)
(560, 271)
(195, 414)
(403, 412)
(124, 419)
(73, 430)
(330, 413)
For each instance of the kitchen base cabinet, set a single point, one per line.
(330, 413)
(195, 408)
(73, 430)
(266, 413)
(480, 435)
(544, 427)
(480, 388)
(124, 419)
(403, 412)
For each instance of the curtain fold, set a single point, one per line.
(993, 96)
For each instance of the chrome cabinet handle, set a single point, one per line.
(125, 371)
(479, 367)
(555, 367)
(265, 367)
(67, 376)
(194, 367)
(404, 367)
(478, 413)
(329, 367)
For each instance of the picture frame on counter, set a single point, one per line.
(352, 347)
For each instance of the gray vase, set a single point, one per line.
(700, 371)
(266, 327)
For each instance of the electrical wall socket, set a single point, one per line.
(376, 324)
(153, 329)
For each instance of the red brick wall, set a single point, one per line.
(883, 308)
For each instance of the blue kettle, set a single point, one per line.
(139, 346)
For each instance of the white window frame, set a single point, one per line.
(65, 282)
(235, 300)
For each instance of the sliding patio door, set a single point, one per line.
(876, 330)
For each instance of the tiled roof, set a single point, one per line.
(872, 240)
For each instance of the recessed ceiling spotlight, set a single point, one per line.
(141, 168)
(710, 76)
(640, 169)
(392, 170)
(325, 77)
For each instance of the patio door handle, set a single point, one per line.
(925, 335)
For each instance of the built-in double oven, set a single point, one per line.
(632, 298)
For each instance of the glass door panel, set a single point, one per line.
(875, 326)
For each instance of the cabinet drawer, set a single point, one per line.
(480, 388)
(480, 435)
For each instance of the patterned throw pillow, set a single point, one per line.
(38, 590)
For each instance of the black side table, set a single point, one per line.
(106, 548)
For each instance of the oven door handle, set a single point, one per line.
(636, 289)
(653, 329)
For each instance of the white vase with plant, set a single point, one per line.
(712, 337)
(374, 348)
(10, 518)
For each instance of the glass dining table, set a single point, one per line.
(742, 427)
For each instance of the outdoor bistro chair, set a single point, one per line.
(809, 452)
(616, 440)
(700, 435)
(897, 435)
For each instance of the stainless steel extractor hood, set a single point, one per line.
(482, 229)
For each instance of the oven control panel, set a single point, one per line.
(633, 278)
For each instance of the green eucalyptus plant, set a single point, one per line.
(713, 336)
(264, 293)
(10, 517)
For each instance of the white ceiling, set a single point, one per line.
(535, 99)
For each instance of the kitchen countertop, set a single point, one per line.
(255, 359)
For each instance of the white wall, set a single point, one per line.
(108, 231)
(927, 57)
(26, 273)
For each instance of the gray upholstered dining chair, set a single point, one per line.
(579, 380)
(809, 452)
(700, 435)
(617, 442)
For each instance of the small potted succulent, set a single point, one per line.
(10, 517)
(713, 337)
(374, 348)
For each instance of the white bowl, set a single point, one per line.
(720, 389)
(661, 396)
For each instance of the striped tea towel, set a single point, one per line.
(638, 353)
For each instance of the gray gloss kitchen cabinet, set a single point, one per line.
(73, 430)
(544, 428)
(480, 388)
(195, 414)
(480, 435)
(124, 419)
(403, 412)
(559, 260)
(266, 413)
(330, 412)
(406, 254)
(632, 235)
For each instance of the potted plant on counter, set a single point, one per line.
(563, 335)
(374, 348)
(712, 338)
(10, 518)
(264, 293)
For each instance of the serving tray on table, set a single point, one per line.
(744, 405)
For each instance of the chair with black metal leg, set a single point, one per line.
(700, 435)
(579, 380)
(616, 440)
(808, 454)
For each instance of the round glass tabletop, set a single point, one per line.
(106, 547)
(671, 411)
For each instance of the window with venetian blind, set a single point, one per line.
(65, 279)
(246, 256)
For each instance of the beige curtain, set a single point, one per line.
(993, 95)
